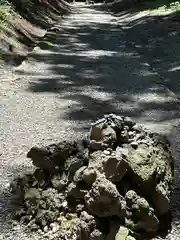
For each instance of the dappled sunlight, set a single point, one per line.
(85, 67)
(158, 41)
(92, 65)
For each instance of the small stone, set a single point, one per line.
(137, 128)
(64, 204)
(34, 227)
(40, 232)
(96, 235)
(131, 134)
(138, 137)
(54, 227)
(33, 195)
(144, 141)
(8, 186)
(79, 208)
(126, 128)
(129, 122)
(109, 149)
(106, 152)
(124, 151)
(78, 174)
(131, 196)
(89, 175)
(134, 144)
(122, 233)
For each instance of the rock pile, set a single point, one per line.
(115, 182)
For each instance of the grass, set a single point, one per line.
(4, 10)
(164, 7)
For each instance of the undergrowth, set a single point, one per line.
(4, 10)
(167, 4)
(163, 7)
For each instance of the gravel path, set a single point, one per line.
(84, 71)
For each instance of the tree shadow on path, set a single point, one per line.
(89, 63)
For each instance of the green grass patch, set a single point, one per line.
(163, 7)
(4, 10)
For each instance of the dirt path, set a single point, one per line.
(84, 71)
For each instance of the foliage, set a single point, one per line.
(4, 10)
(163, 7)
(167, 4)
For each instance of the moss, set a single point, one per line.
(149, 165)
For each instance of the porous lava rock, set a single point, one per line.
(117, 179)
(104, 200)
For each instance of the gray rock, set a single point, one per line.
(114, 167)
(129, 122)
(80, 208)
(40, 158)
(101, 176)
(41, 177)
(89, 175)
(149, 164)
(142, 212)
(161, 199)
(134, 144)
(78, 177)
(101, 131)
(104, 200)
(32, 195)
(59, 181)
(138, 128)
(85, 226)
(122, 233)
(75, 191)
(52, 199)
(123, 137)
(72, 164)
(131, 197)
(96, 130)
(96, 235)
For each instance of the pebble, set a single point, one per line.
(109, 149)
(64, 204)
(138, 136)
(54, 227)
(46, 229)
(126, 128)
(8, 186)
(129, 122)
(137, 128)
(131, 133)
(144, 141)
(134, 144)
(113, 154)
(106, 152)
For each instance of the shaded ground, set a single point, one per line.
(93, 57)
(88, 70)
(157, 39)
